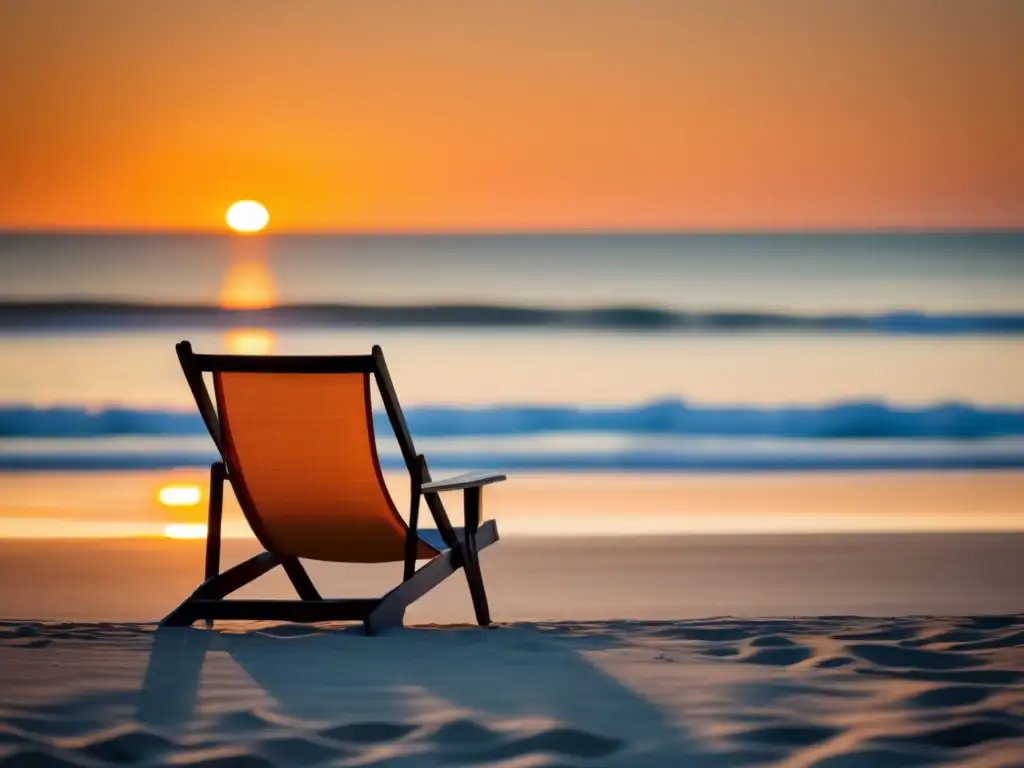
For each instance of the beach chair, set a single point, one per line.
(296, 440)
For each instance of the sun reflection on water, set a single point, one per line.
(180, 495)
(249, 341)
(185, 531)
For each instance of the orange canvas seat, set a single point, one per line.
(298, 448)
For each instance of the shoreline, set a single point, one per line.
(547, 505)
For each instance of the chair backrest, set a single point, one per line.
(296, 435)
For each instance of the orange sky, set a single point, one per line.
(512, 114)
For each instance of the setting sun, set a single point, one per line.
(247, 216)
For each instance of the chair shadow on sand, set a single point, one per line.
(432, 695)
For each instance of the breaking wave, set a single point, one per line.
(840, 421)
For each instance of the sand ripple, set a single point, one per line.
(831, 692)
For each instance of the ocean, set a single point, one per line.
(568, 354)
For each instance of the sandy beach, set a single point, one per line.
(836, 691)
(603, 655)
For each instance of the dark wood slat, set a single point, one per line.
(237, 577)
(213, 521)
(487, 534)
(459, 482)
(194, 378)
(299, 578)
(471, 559)
(436, 506)
(300, 611)
(391, 610)
(284, 363)
(394, 410)
(219, 586)
(412, 539)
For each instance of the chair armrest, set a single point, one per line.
(467, 480)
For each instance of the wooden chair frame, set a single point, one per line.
(208, 600)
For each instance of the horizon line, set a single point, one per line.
(517, 232)
(70, 302)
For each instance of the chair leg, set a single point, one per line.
(475, 579)
(182, 616)
(470, 556)
(222, 585)
(213, 523)
(299, 578)
(390, 611)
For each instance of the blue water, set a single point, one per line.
(78, 316)
(784, 274)
(561, 353)
(862, 420)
